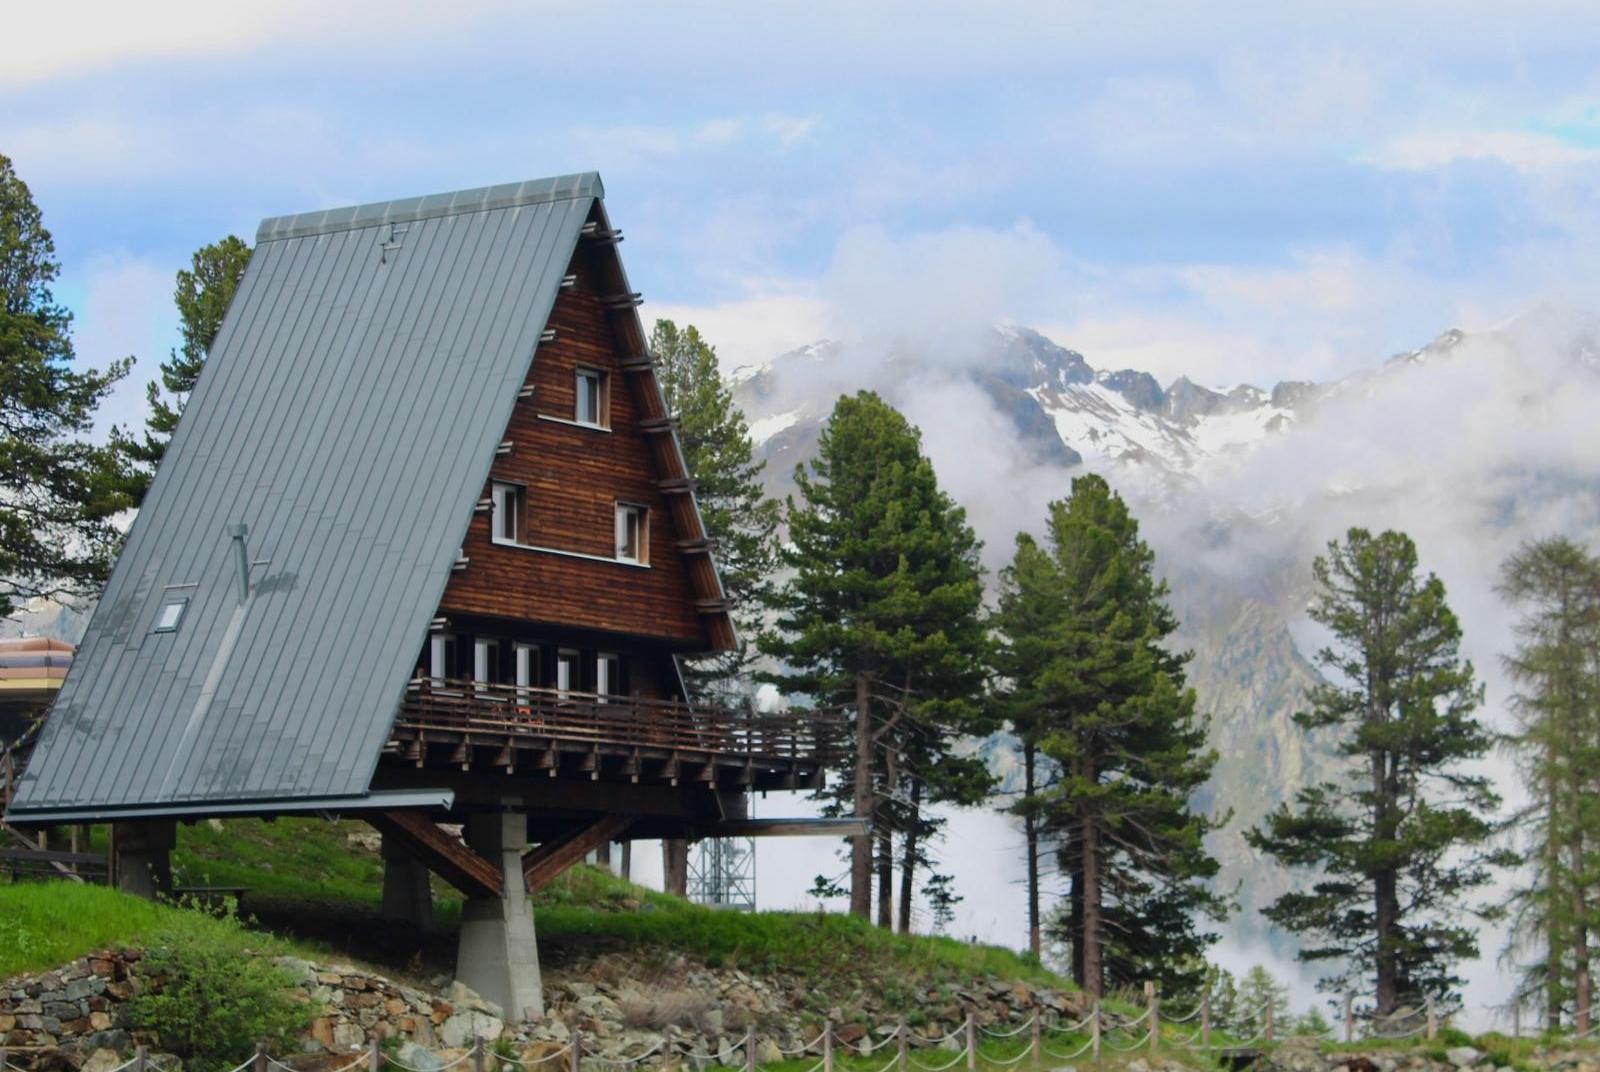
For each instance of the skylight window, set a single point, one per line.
(171, 614)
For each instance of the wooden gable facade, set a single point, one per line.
(553, 571)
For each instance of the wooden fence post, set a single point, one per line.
(1268, 1026)
(902, 1056)
(1516, 1018)
(666, 1049)
(750, 1048)
(1035, 1040)
(139, 1055)
(1205, 1018)
(261, 1057)
(576, 1056)
(1154, 1003)
(827, 1046)
(972, 1043)
(1349, 1020)
(375, 1056)
(1094, 1030)
(1433, 1020)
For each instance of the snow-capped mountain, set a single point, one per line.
(1470, 443)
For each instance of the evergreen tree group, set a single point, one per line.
(1556, 670)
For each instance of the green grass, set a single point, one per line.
(46, 924)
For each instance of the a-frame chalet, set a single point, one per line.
(423, 550)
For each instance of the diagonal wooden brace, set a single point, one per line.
(542, 864)
(446, 856)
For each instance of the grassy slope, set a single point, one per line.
(43, 925)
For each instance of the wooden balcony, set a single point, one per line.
(464, 725)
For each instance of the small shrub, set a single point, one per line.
(208, 1003)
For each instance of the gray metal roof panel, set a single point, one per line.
(584, 185)
(348, 415)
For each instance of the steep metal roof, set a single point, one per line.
(347, 415)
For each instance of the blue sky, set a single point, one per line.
(1238, 192)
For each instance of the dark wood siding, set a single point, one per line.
(574, 478)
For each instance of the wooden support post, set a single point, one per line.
(750, 1048)
(1516, 1017)
(1094, 1030)
(827, 1046)
(1154, 1004)
(140, 1058)
(575, 1058)
(1349, 1020)
(1205, 1018)
(902, 1056)
(1269, 1025)
(375, 1056)
(972, 1043)
(1035, 1039)
(666, 1049)
(260, 1064)
(1433, 1020)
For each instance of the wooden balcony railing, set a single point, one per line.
(810, 737)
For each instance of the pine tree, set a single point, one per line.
(58, 492)
(1083, 623)
(740, 519)
(1557, 672)
(942, 898)
(202, 294)
(1259, 992)
(881, 609)
(1399, 846)
(1313, 1024)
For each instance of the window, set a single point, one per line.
(591, 389)
(606, 681)
(171, 614)
(633, 535)
(441, 656)
(506, 517)
(566, 671)
(485, 661)
(527, 669)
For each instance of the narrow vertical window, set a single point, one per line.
(632, 533)
(591, 393)
(527, 670)
(605, 675)
(566, 671)
(507, 511)
(485, 663)
(441, 656)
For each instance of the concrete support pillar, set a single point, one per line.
(406, 894)
(143, 857)
(625, 854)
(675, 866)
(497, 955)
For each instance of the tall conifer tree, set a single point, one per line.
(1398, 846)
(1092, 686)
(58, 492)
(881, 610)
(202, 294)
(721, 457)
(1556, 668)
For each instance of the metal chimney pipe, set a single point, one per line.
(239, 532)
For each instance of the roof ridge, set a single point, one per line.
(405, 210)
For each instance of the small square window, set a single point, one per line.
(507, 512)
(633, 535)
(171, 614)
(591, 397)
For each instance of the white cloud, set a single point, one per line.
(751, 330)
(127, 310)
(1516, 149)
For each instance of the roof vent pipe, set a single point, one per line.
(239, 532)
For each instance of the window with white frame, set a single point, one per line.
(527, 668)
(485, 661)
(591, 397)
(633, 533)
(607, 668)
(171, 614)
(507, 507)
(566, 671)
(441, 656)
